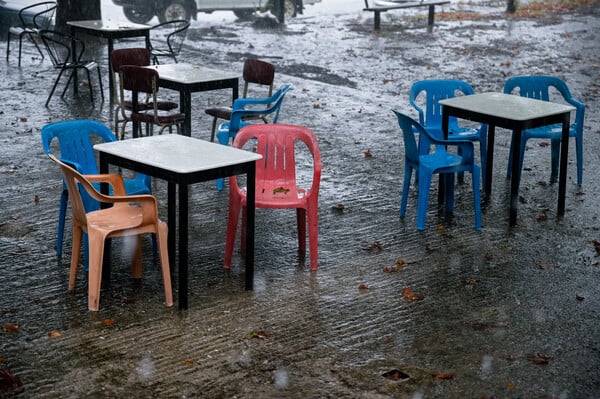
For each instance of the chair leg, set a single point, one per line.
(213, 129)
(579, 151)
(75, 252)
(301, 222)
(313, 235)
(54, 87)
(476, 196)
(136, 264)
(406, 187)
(232, 223)
(100, 83)
(423, 201)
(62, 215)
(96, 242)
(161, 235)
(7, 44)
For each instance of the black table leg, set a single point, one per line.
(250, 213)
(564, 152)
(515, 179)
(185, 104)
(183, 246)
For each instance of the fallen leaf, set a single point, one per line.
(443, 376)
(11, 327)
(338, 207)
(281, 190)
(36, 199)
(400, 262)
(260, 335)
(579, 297)
(316, 106)
(596, 246)
(363, 287)
(188, 362)
(411, 296)
(109, 322)
(368, 154)
(386, 81)
(23, 119)
(375, 247)
(54, 334)
(468, 282)
(539, 359)
(395, 375)
(544, 266)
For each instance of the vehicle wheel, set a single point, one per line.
(289, 7)
(174, 9)
(138, 16)
(243, 14)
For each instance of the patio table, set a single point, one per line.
(182, 161)
(189, 78)
(515, 113)
(110, 30)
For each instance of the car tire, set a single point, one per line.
(174, 9)
(289, 8)
(138, 15)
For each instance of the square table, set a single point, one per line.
(181, 161)
(110, 30)
(189, 78)
(515, 113)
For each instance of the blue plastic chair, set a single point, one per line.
(76, 146)
(439, 161)
(243, 108)
(539, 87)
(431, 118)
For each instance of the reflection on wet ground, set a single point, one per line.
(391, 312)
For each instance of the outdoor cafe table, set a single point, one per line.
(187, 79)
(515, 113)
(182, 161)
(110, 30)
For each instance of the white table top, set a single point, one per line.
(507, 106)
(177, 153)
(189, 73)
(107, 25)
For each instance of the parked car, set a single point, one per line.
(142, 11)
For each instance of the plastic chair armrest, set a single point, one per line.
(115, 180)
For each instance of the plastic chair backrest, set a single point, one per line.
(76, 146)
(436, 90)
(71, 179)
(538, 87)
(258, 72)
(277, 144)
(273, 106)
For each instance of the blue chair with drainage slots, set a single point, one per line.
(75, 144)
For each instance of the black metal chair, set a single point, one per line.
(33, 18)
(61, 52)
(176, 31)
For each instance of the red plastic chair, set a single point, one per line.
(276, 185)
(130, 215)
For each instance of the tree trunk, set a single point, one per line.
(511, 6)
(73, 10)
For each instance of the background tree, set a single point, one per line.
(71, 10)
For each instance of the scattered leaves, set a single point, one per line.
(386, 81)
(11, 327)
(440, 228)
(368, 154)
(36, 199)
(539, 359)
(316, 106)
(265, 336)
(410, 295)
(470, 282)
(54, 334)
(544, 266)
(443, 376)
(395, 375)
(188, 362)
(543, 144)
(400, 263)
(109, 322)
(23, 119)
(281, 190)
(363, 287)
(375, 247)
(338, 207)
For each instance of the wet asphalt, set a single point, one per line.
(501, 313)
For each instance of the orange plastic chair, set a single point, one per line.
(121, 220)
(276, 185)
